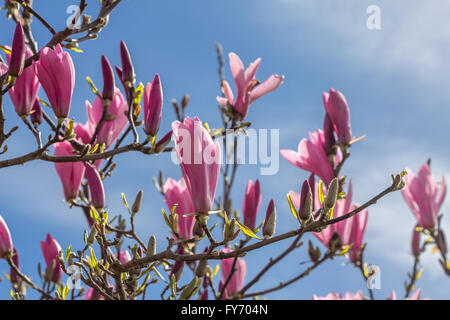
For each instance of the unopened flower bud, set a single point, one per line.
(137, 202)
(229, 230)
(128, 75)
(92, 236)
(331, 198)
(109, 83)
(96, 186)
(329, 138)
(306, 202)
(201, 268)
(18, 52)
(185, 101)
(271, 220)
(191, 289)
(151, 247)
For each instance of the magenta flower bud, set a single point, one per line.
(252, 201)
(339, 112)
(92, 294)
(109, 82)
(5, 239)
(12, 273)
(50, 250)
(200, 160)
(311, 156)
(237, 279)
(36, 115)
(178, 193)
(424, 196)
(153, 104)
(18, 50)
(415, 244)
(328, 131)
(128, 74)
(95, 186)
(248, 90)
(162, 144)
(70, 173)
(24, 92)
(56, 74)
(270, 221)
(115, 122)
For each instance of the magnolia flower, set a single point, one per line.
(70, 173)
(237, 279)
(339, 113)
(115, 122)
(414, 296)
(5, 239)
(311, 157)
(338, 296)
(50, 250)
(248, 90)
(200, 160)
(56, 74)
(424, 196)
(252, 201)
(177, 193)
(24, 92)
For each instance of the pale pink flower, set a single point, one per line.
(424, 196)
(248, 90)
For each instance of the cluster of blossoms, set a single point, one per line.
(324, 204)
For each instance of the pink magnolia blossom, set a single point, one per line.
(339, 112)
(237, 279)
(176, 192)
(50, 249)
(414, 296)
(5, 239)
(424, 196)
(56, 74)
(252, 201)
(338, 296)
(248, 90)
(200, 160)
(311, 157)
(115, 122)
(70, 173)
(24, 92)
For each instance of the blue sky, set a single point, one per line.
(394, 80)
